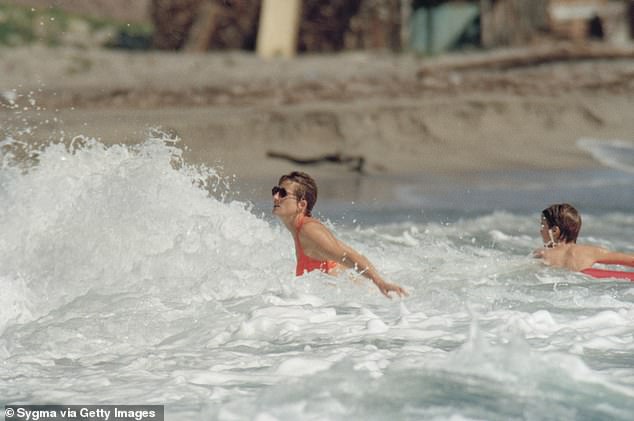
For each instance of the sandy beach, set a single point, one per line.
(232, 109)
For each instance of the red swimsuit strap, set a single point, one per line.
(298, 227)
(306, 263)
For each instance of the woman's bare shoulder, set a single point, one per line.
(314, 229)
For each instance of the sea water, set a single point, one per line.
(129, 276)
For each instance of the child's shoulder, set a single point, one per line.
(587, 254)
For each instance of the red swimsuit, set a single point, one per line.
(306, 263)
(603, 273)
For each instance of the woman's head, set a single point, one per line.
(305, 188)
(563, 221)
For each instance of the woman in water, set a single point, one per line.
(316, 248)
(560, 225)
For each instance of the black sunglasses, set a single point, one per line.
(281, 190)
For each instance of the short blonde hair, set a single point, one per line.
(565, 217)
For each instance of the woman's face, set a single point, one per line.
(285, 204)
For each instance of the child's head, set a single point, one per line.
(566, 219)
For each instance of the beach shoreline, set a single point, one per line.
(233, 110)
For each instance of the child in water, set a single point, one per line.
(560, 226)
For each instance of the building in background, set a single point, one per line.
(422, 26)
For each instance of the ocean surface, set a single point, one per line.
(129, 276)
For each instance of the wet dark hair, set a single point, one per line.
(306, 189)
(566, 218)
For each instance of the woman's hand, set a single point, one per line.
(386, 288)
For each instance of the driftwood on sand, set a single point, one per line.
(355, 163)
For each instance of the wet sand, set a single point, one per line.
(232, 109)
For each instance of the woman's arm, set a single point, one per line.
(319, 243)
